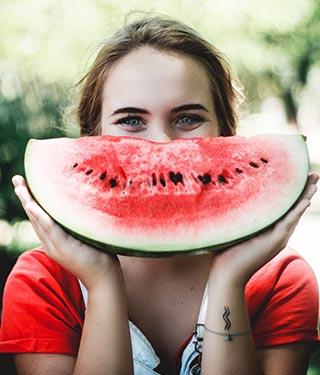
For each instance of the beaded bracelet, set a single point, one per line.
(227, 336)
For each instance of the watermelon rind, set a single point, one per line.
(164, 241)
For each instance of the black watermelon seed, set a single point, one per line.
(264, 160)
(200, 178)
(222, 179)
(103, 176)
(254, 165)
(154, 179)
(238, 170)
(175, 177)
(113, 182)
(162, 181)
(89, 171)
(75, 165)
(206, 179)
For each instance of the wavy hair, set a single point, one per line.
(164, 34)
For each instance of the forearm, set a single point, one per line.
(227, 313)
(105, 346)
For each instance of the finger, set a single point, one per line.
(311, 186)
(45, 239)
(295, 214)
(46, 225)
(287, 225)
(18, 180)
(35, 217)
(309, 190)
(23, 194)
(20, 183)
(314, 176)
(40, 217)
(49, 233)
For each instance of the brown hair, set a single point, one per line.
(164, 34)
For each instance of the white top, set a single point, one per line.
(145, 359)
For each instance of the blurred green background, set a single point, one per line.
(47, 45)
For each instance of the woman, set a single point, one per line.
(157, 79)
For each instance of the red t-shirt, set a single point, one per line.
(43, 307)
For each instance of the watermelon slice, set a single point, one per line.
(137, 197)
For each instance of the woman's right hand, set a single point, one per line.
(92, 267)
(106, 323)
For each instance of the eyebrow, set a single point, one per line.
(129, 110)
(187, 107)
(181, 108)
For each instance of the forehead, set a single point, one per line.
(147, 75)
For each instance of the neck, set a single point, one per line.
(169, 267)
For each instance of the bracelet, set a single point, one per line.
(227, 336)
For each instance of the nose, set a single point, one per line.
(161, 132)
(161, 137)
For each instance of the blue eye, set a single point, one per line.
(186, 120)
(130, 120)
(189, 121)
(132, 123)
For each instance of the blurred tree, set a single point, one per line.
(27, 110)
(302, 49)
(34, 110)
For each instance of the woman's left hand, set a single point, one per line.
(241, 261)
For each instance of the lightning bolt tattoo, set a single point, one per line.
(226, 318)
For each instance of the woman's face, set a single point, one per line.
(158, 96)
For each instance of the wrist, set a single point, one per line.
(227, 280)
(111, 277)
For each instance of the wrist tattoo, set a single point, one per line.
(226, 318)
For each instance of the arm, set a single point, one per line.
(289, 359)
(227, 310)
(105, 345)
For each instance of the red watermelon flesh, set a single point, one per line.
(138, 197)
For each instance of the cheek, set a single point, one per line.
(210, 129)
(206, 130)
(107, 129)
(104, 130)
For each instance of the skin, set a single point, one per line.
(163, 96)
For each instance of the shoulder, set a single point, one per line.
(283, 301)
(42, 302)
(34, 273)
(287, 268)
(35, 260)
(34, 267)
